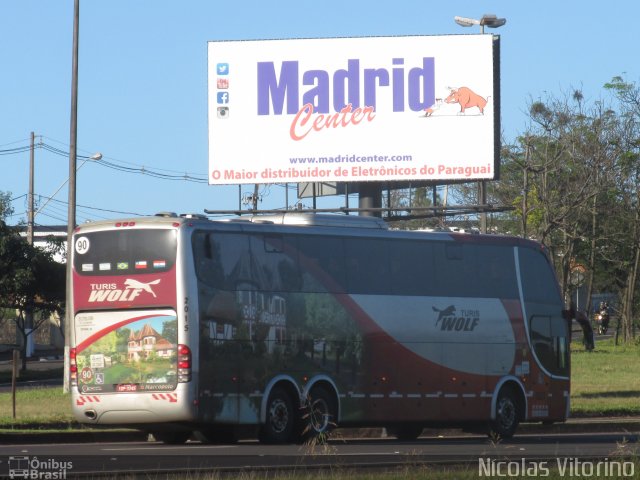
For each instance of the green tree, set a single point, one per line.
(29, 279)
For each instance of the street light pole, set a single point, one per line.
(492, 21)
(71, 216)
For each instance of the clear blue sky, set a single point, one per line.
(143, 82)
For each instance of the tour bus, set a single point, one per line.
(287, 326)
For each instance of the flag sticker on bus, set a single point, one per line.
(123, 265)
(104, 266)
(140, 264)
(159, 264)
(87, 267)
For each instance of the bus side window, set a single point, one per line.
(559, 334)
(549, 341)
(412, 268)
(539, 283)
(276, 262)
(496, 266)
(367, 265)
(541, 339)
(456, 273)
(322, 263)
(204, 259)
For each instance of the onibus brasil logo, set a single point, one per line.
(33, 467)
(111, 292)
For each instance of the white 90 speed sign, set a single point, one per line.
(82, 245)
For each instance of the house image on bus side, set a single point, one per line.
(145, 341)
(258, 306)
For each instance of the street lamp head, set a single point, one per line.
(96, 157)
(488, 20)
(492, 21)
(466, 22)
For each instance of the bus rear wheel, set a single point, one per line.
(508, 414)
(321, 412)
(278, 427)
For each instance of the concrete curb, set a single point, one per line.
(72, 436)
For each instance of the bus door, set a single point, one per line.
(549, 336)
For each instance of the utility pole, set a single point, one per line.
(71, 216)
(30, 213)
(28, 314)
(254, 200)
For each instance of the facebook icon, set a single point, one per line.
(223, 98)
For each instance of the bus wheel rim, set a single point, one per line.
(279, 415)
(319, 415)
(507, 413)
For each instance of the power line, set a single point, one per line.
(100, 209)
(114, 164)
(13, 151)
(137, 168)
(63, 220)
(17, 141)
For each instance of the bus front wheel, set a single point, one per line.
(278, 427)
(507, 414)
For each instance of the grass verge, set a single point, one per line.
(38, 407)
(605, 381)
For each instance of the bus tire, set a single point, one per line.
(320, 414)
(280, 418)
(171, 438)
(508, 414)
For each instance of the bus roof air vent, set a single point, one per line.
(315, 219)
(195, 216)
(166, 214)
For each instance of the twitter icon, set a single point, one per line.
(222, 69)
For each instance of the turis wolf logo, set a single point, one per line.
(447, 312)
(130, 283)
(449, 320)
(109, 292)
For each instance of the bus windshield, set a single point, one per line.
(125, 252)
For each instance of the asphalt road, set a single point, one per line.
(149, 457)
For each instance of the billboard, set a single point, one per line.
(354, 109)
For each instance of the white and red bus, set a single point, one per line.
(183, 325)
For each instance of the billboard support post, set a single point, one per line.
(370, 196)
(491, 21)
